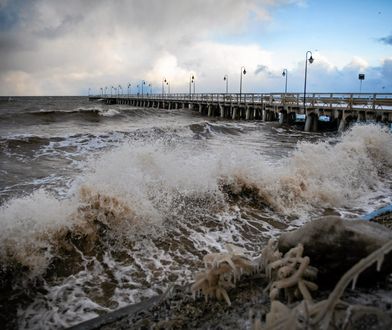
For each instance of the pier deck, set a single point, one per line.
(340, 108)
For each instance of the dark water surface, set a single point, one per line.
(106, 205)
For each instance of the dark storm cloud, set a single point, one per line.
(73, 43)
(387, 40)
(66, 25)
(169, 24)
(10, 14)
(386, 70)
(263, 69)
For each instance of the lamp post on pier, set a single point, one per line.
(101, 91)
(149, 85)
(119, 87)
(168, 86)
(226, 78)
(243, 71)
(285, 74)
(143, 83)
(191, 81)
(361, 78)
(129, 86)
(310, 59)
(163, 86)
(89, 91)
(111, 91)
(106, 93)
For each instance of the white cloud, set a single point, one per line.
(358, 63)
(65, 47)
(19, 83)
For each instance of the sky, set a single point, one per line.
(57, 47)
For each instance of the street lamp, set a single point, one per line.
(310, 59)
(149, 85)
(89, 91)
(168, 86)
(106, 94)
(285, 74)
(101, 92)
(119, 87)
(361, 78)
(111, 91)
(143, 83)
(129, 86)
(191, 80)
(163, 86)
(226, 78)
(243, 71)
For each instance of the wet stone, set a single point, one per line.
(334, 245)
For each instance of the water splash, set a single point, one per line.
(144, 213)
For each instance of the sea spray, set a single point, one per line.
(144, 213)
(140, 185)
(327, 174)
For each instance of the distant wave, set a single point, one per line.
(80, 113)
(17, 141)
(206, 129)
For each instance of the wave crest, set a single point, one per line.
(140, 189)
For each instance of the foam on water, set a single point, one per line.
(330, 174)
(109, 113)
(144, 213)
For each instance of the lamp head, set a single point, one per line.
(283, 73)
(311, 59)
(224, 78)
(244, 72)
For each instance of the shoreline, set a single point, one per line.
(250, 304)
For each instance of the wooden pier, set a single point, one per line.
(339, 108)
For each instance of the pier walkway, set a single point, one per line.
(338, 108)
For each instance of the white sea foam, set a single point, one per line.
(109, 113)
(157, 181)
(168, 204)
(26, 226)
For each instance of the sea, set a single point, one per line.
(102, 206)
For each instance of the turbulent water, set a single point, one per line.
(106, 205)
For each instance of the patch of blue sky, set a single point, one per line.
(10, 14)
(346, 26)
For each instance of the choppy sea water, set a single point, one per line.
(106, 205)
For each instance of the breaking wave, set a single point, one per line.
(143, 213)
(44, 116)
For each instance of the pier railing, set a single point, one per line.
(351, 101)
